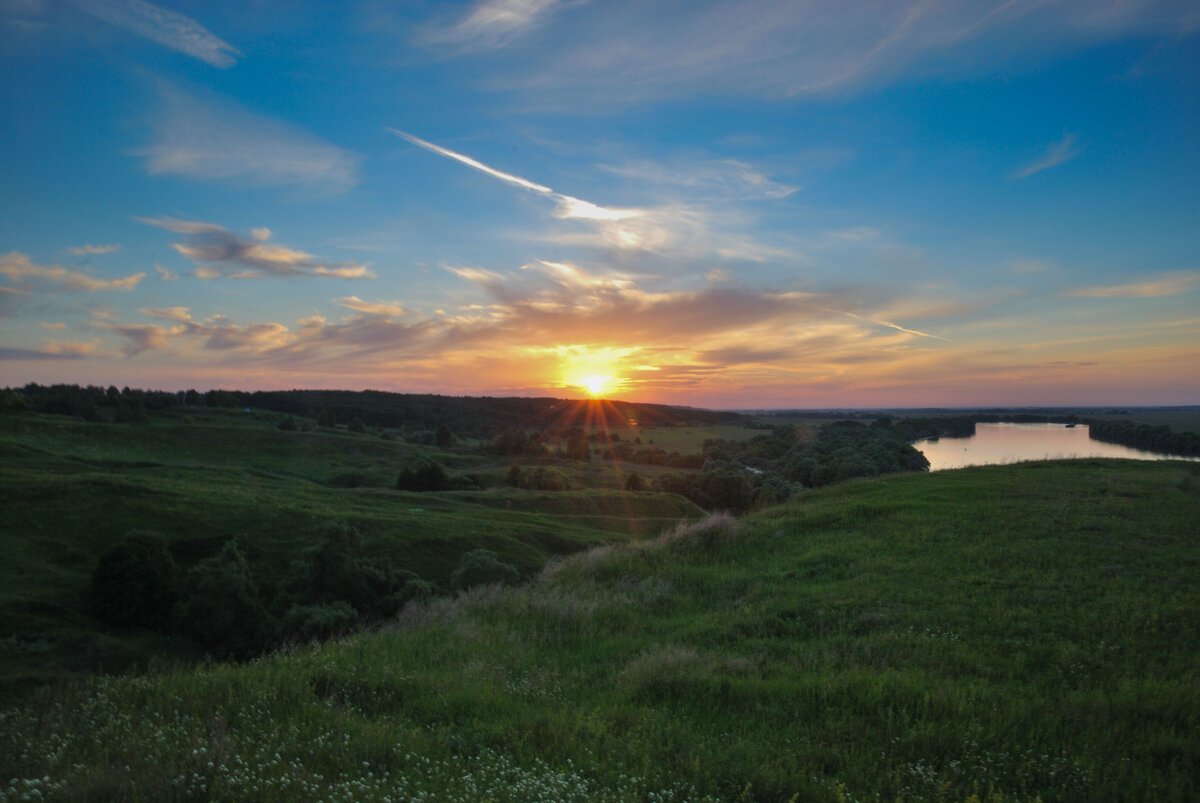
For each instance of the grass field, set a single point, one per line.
(71, 489)
(1003, 633)
(687, 440)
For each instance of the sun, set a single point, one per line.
(595, 384)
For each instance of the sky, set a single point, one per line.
(717, 203)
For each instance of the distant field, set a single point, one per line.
(1012, 633)
(686, 440)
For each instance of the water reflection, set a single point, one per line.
(1009, 443)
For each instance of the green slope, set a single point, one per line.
(71, 490)
(1018, 632)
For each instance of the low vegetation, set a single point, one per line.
(1022, 632)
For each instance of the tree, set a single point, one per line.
(429, 476)
(444, 437)
(634, 482)
(221, 607)
(356, 425)
(136, 583)
(326, 418)
(483, 567)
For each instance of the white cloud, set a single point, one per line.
(23, 271)
(167, 28)
(1057, 153)
(493, 23)
(219, 141)
(385, 308)
(92, 250)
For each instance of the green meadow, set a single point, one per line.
(1026, 632)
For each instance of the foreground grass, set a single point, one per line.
(1017, 632)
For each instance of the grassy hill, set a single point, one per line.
(71, 489)
(1005, 633)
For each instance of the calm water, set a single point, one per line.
(1010, 443)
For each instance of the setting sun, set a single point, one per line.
(596, 384)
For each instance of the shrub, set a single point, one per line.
(356, 425)
(221, 607)
(634, 482)
(482, 567)
(308, 622)
(429, 476)
(288, 424)
(136, 583)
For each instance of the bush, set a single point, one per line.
(288, 424)
(356, 425)
(136, 583)
(483, 567)
(429, 476)
(308, 622)
(634, 482)
(221, 607)
(337, 570)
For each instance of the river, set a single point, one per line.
(1011, 443)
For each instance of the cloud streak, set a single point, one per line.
(216, 140)
(217, 252)
(165, 27)
(1170, 284)
(628, 52)
(93, 250)
(25, 274)
(1056, 154)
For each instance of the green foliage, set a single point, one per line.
(482, 567)
(444, 438)
(136, 583)
(311, 622)
(221, 608)
(429, 476)
(356, 425)
(1149, 438)
(635, 482)
(287, 424)
(339, 570)
(541, 478)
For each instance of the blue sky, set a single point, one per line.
(736, 204)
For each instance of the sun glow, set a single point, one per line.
(597, 371)
(595, 384)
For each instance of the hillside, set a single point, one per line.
(1009, 633)
(72, 489)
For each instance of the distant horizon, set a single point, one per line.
(549, 394)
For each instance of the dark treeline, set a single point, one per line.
(477, 417)
(1146, 437)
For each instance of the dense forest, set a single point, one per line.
(1144, 436)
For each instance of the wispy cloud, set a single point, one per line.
(167, 28)
(1056, 154)
(93, 250)
(385, 308)
(25, 273)
(629, 51)
(708, 179)
(1169, 284)
(217, 252)
(217, 140)
(493, 23)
